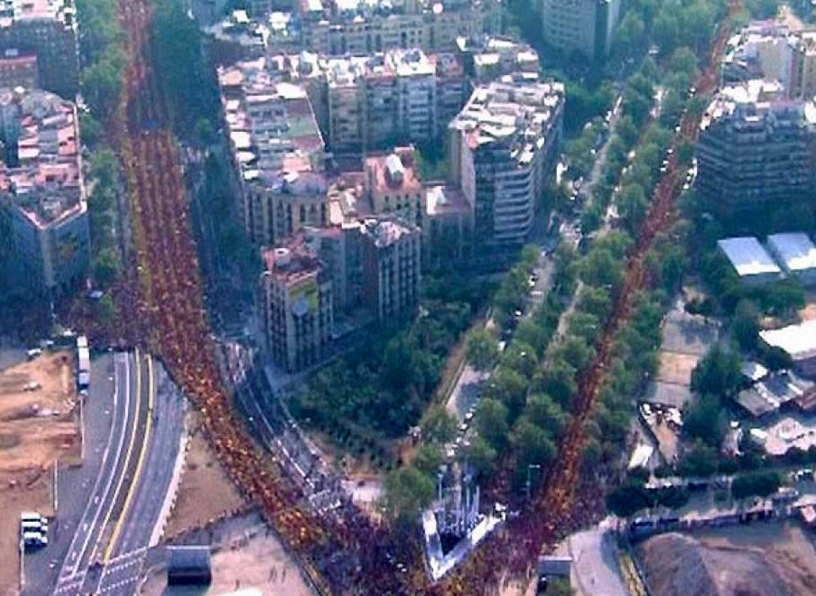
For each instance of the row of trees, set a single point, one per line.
(100, 45)
(505, 417)
(187, 77)
(103, 61)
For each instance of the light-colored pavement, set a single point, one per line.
(595, 568)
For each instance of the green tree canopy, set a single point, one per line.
(407, 492)
(718, 373)
(482, 349)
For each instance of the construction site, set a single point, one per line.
(38, 426)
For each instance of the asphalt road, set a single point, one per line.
(138, 456)
(74, 484)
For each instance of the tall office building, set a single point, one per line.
(584, 26)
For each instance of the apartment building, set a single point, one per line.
(277, 150)
(19, 69)
(754, 149)
(377, 100)
(391, 260)
(485, 58)
(774, 52)
(341, 27)
(48, 29)
(393, 186)
(452, 89)
(583, 26)
(502, 148)
(296, 306)
(42, 191)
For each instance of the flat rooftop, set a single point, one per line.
(795, 251)
(520, 114)
(44, 182)
(393, 171)
(748, 257)
(798, 341)
(270, 122)
(446, 200)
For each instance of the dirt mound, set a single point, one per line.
(680, 565)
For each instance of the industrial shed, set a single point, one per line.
(796, 254)
(189, 565)
(752, 263)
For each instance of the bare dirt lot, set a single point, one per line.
(752, 560)
(37, 426)
(676, 368)
(205, 492)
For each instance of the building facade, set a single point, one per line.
(296, 307)
(583, 26)
(48, 29)
(339, 28)
(391, 259)
(19, 69)
(42, 191)
(754, 150)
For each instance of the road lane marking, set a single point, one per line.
(139, 463)
(102, 465)
(128, 454)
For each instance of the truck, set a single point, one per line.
(84, 362)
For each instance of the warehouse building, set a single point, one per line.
(750, 260)
(796, 254)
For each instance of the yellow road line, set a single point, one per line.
(135, 481)
(128, 453)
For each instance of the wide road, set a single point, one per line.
(140, 455)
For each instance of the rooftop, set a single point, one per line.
(295, 262)
(520, 114)
(270, 122)
(798, 341)
(446, 200)
(748, 257)
(22, 10)
(773, 391)
(392, 171)
(386, 232)
(40, 170)
(794, 250)
(752, 101)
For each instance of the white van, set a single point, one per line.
(34, 539)
(32, 516)
(33, 526)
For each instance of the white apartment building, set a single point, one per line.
(502, 148)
